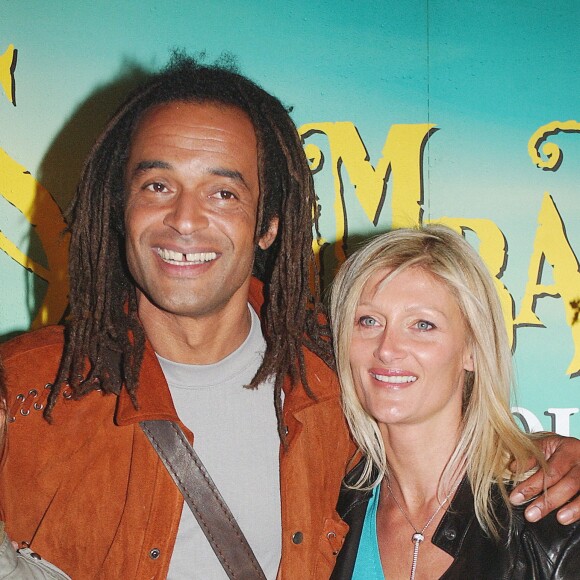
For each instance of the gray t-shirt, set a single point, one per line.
(235, 435)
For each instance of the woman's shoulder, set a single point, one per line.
(351, 498)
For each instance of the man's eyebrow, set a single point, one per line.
(229, 173)
(145, 165)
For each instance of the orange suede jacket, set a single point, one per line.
(91, 495)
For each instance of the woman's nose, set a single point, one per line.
(390, 346)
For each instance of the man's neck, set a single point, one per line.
(195, 340)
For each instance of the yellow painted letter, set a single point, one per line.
(551, 246)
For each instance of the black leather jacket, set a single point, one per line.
(542, 550)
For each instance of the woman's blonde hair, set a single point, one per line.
(489, 439)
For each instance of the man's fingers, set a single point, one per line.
(524, 466)
(570, 513)
(530, 488)
(557, 495)
(561, 480)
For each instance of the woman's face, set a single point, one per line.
(410, 350)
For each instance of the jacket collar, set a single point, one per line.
(457, 519)
(450, 532)
(153, 396)
(350, 498)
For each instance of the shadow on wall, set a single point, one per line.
(329, 264)
(46, 255)
(61, 167)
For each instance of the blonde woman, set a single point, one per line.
(19, 564)
(425, 370)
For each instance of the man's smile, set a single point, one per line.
(185, 259)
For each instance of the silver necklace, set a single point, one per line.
(418, 536)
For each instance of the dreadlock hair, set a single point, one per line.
(104, 340)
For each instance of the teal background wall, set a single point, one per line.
(487, 76)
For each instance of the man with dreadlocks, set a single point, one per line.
(199, 180)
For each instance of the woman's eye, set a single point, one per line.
(367, 321)
(424, 325)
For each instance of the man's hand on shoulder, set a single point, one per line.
(562, 482)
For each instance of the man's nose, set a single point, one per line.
(186, 214)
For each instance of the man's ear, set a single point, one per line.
(268, 238)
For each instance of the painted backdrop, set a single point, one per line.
(410, 111)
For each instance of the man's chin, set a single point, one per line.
(180, 306)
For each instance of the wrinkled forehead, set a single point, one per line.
(180, 133)
(194, 112)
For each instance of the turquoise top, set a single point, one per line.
(368, 559)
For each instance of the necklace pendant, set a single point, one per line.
(417, 537)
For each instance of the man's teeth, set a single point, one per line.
(395, 379)
(181, 259)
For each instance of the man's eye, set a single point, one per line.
(224, 194)
(424, 325)
(157, 187)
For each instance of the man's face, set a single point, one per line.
(190, 216)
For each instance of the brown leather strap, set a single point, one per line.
(204, 500)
